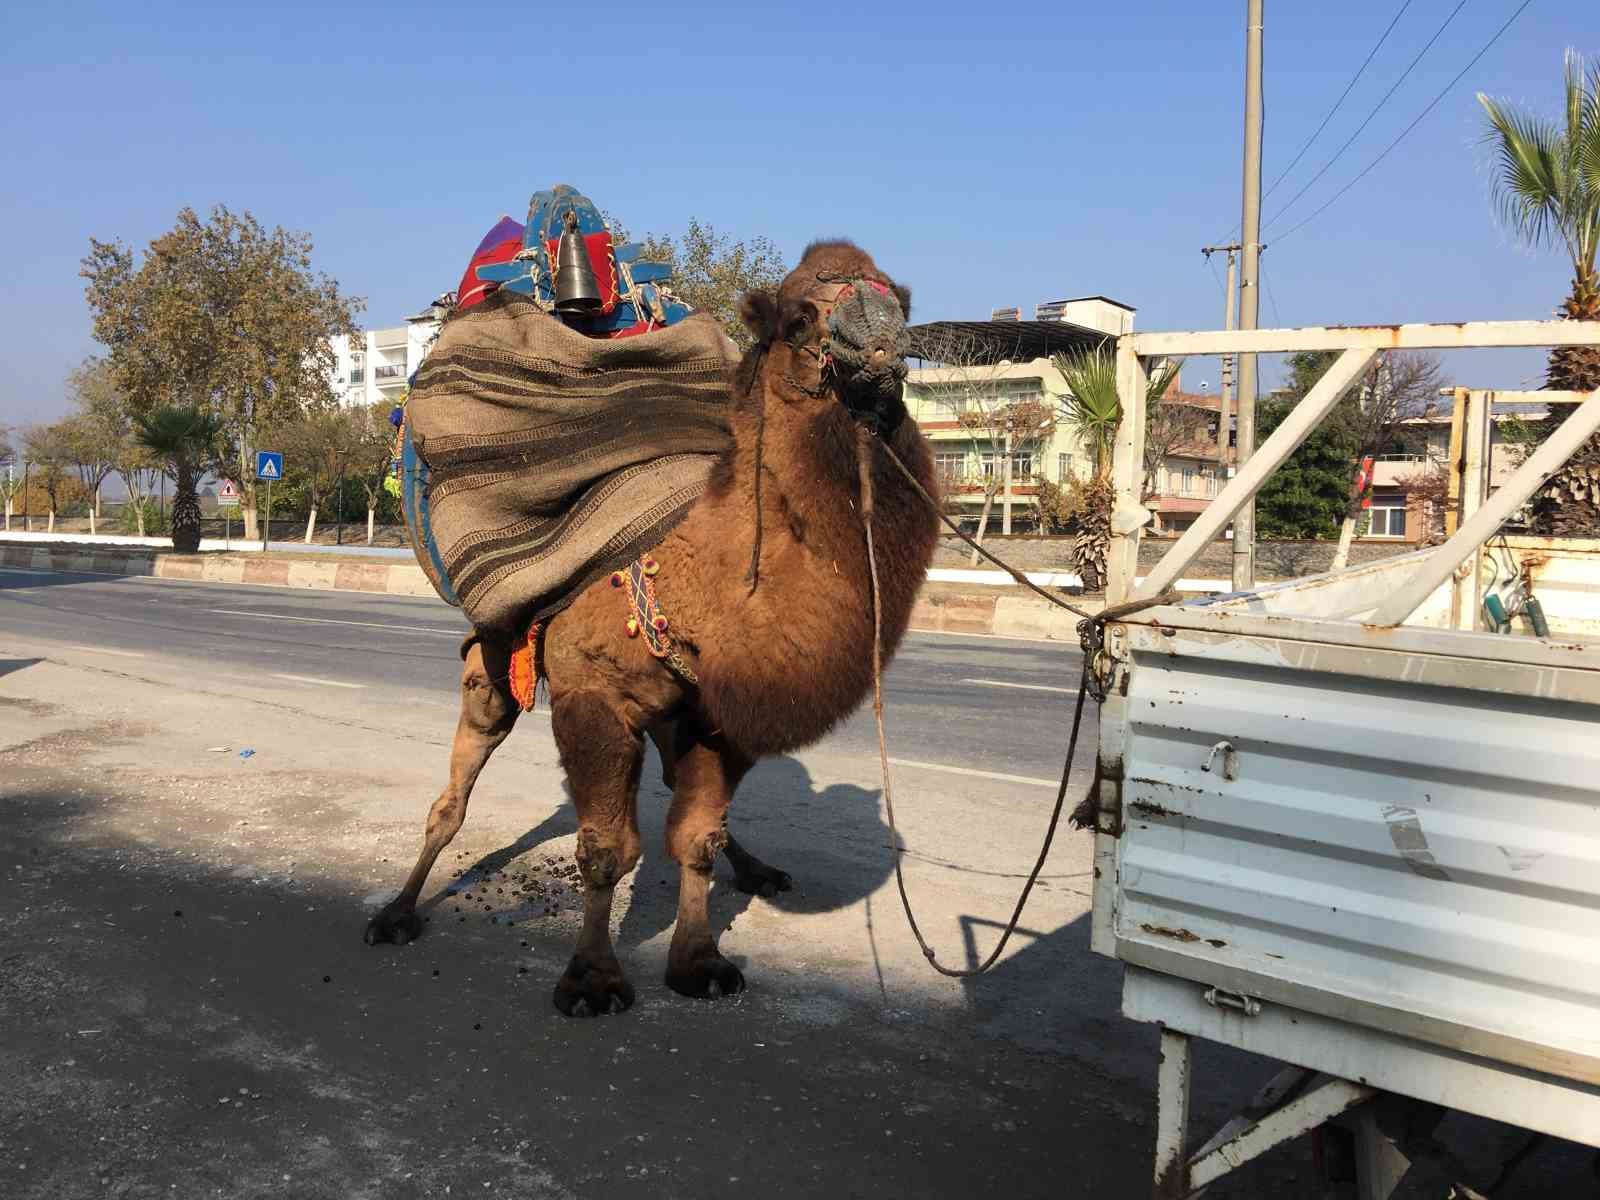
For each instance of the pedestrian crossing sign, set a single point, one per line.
(269, 464)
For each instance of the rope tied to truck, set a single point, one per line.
(1094, 681)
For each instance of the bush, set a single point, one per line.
(155, 522)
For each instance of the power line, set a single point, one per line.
(1277, 316)
(1354, 79)
(1339, 153)
(1432, 104)
(1222, 288)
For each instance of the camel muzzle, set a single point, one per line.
(867, 347)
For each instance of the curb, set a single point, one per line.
(988, 616)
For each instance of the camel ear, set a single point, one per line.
(759, 312)
(902, 291)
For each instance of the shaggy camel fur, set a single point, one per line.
(782, 653)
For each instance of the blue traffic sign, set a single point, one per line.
(269, 464)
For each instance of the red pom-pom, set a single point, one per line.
(616, 579)
(661, 624)
(633, 627)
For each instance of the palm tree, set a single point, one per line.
(1547, 190)
(184, 439)
(1092, 408)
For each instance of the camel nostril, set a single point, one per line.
(879, 355)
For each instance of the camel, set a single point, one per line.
(767, 587)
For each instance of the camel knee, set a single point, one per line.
(605, 856)
(695, 842)
(446, 816)
(485, 708)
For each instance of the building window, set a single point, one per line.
(950, 467)
(1188, 481)
(1022, 464)
(1063, 467)
(1387, 517)
(356, 375)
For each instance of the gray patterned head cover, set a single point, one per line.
(865, 320)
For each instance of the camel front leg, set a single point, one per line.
(488, 711)
(708, 771)
(602, 755)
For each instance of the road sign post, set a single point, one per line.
(227, 501)
(269, 466)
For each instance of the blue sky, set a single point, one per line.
(985, 156)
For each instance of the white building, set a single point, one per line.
(377, 368)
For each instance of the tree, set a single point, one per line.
(1170, 426)
(371, 443)
(1308, 495)
(1396, 387)
(49, 448)
(1001, 423)
(184, 439)
(318, 444)
(710, 271)
(1547, 191)
(223, 315)
(10, 481)
(1093, 409)
(97, 429)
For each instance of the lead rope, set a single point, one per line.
(1090, 632)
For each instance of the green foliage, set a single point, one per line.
(1060, 504)
(184, 438)
(710, 271)
(221, 314)
(155, 520)
(1093, 408)
(1308, 495)
(1547, 191)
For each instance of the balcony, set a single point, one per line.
(389, 374)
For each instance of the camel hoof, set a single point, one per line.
(762, 880)
(707, 979)
(588, 990)
(394, 925)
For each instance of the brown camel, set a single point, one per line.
(780, 640)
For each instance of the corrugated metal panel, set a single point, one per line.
(1416, 848)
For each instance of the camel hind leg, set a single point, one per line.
(602, 754)
(751, 875)
(488, 711)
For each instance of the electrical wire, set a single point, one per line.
(1271, 296)
(1332, 112)
(1432, 104)
(1221, 287)
(1349, 141)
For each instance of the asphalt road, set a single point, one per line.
(983, 704)
(205, 789)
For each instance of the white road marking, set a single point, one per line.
(323, 682)
(1026, 687)
(237, 612)
(103, 650)
(1004, 778)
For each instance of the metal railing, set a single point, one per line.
(1357, 346)
(386, 372)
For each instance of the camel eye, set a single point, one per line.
(798, 329)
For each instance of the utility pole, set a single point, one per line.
(1244, 523)
(1223, 431)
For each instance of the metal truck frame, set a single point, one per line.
(1340, 826)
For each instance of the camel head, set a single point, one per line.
(833, 332)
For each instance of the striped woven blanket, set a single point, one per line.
(539, 460)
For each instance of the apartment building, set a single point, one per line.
(380, 362)
(1004, 366)
(983, 375)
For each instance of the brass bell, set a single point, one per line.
(577, 290)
